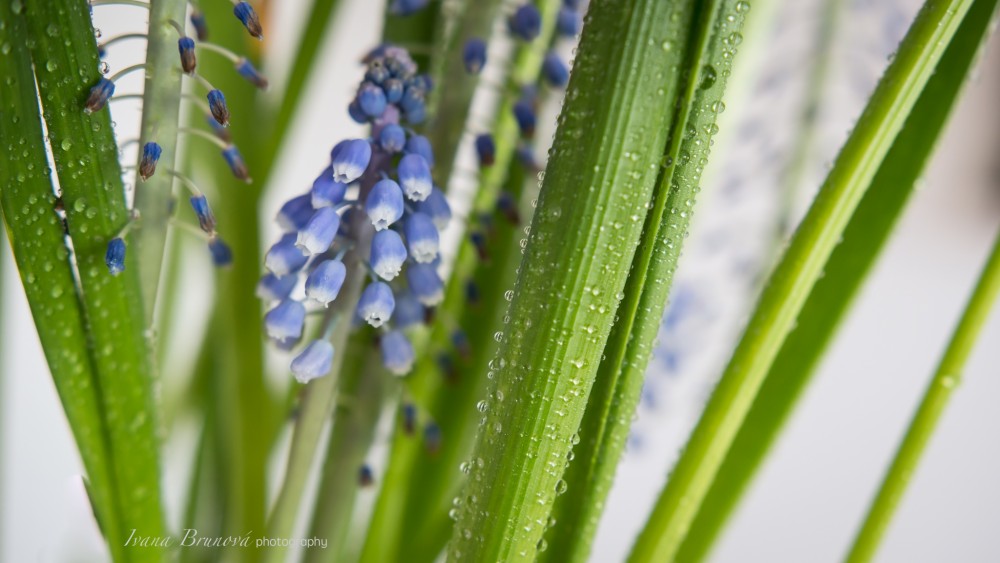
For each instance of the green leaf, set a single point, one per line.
(830, 299)
(793, 279)
(708, 35)
(604, 166)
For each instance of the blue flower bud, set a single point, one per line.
(486, 149)
(409, 418)
(397, 352)
(314, 361)
(351, 160)
(387, 254)
(284, 257)
(371, 100)
(327, 192)
(422, 81)
(276, 288)
(357, 115)
(236, 163)
(392, 138)
(384, 204)
(526, 156)
(472, 293)
(447, 367)
(377, 71)
(285, 320)
(407, 7)
(421, 237)
(318, 234)
(206, 219)
(115, 256)
(409, 311)
(461, 343)
(524, 113)
(248, 17)
(568, 22)
(393, 90)
(199, 25)
(425, 283)
(376, 304)
(417, 114)
(415, 177)
(220, 130)
(99, 95)
(478, 240)
(325, 281)
(432, 438)
(554, 70)
(222, 255)
(525, 22)
(217, 104)
(247, 70)
(365, 476)
(418, 144)
(437, 208)
(474, 55)
(150, 156)
(185, 45)
(295, 213)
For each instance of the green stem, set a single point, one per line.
(794, 277)
(946, 379)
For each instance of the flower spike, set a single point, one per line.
(248, 17)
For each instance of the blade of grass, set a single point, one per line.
(830, 299)
(794, 277)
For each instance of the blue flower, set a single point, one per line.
(115, 256)
(350, 159)
(421, 237)
(413, 103)
(524, 113)
(554, 70)
(185, 45)
(486, 149)
(365, 476)
(525, 22)
(327, 192)
(392, 138)
(474, 55)
(236, 163)
(507, 207)
(409, 311)
(377, 72)
(418, 144)
(314, 361)
(150, 156)
(354, 110)
(217, 105)
(407, 7)
(387, 254)
(99, 95)
(285, 320)
(247, 70)
(199, 25)
(409, 417)
(384, 204)
(325, 281)
(246, 14)
(206, 219)
(295, 213)
(222, 255)
(376, 304)
(432, 437)
(415, 177)
(276, 288)
(318, 234)
(425, 283)
(437, 208)
(397, 352)
(285, 257)
(568, 21)
(371, 100)
(393, 88)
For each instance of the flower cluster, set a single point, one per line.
(377, 190)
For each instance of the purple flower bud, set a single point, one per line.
(568, 22)
(276, 288)
(415, 177)
(185, 45)
(326, 192)
(315, 361)
(397, 352)
(478, 240)
(393, 90)
(376, 304)
(357, 115)
(432, 438)
(199, 25)
(325, 281)
(248, 17)
(150, 156)
(472, 293)
(486, 149)
(222, 255)
(392, 138)
(247, 70)
(100, 93)
(365, 476)
(525, 116)
(285, 257)
(206, 219)
(371, 100)
(421, 237)
(384, 204)
(285, 320)
(474, 55)
(554, 70)
(350, 159)
(318, 234)
(437, 208)
(377, 72)
(418, 144)
(115, 256)
(217, 104)
(525, 22)
(236, 163)
(507, 206)
(387, 254)
(295, 213)
(425, 283)
(409, 417)
(409, 311)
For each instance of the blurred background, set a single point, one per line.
(815, 487)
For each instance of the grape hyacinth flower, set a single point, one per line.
(554, 70)
(397, 352)
(150, 156)
(525, 22)
(217, 104)
(115, 256)
(350, 159)
(199, 24)
(387, 254)
(206, 219)
(376, 304)
(415, 177)
(474, 55)
(246, 69)
(285, 257)
(568, 21)
(327, 192)
(185, 46)
(276, 288)
(421, 237)
(99, 95)
(486, 149)
(285, 320)
(384, 204)
(314, 361)
(325, 281)
(425, 283)
(222, 255)
(318, 234)
(248, 17)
